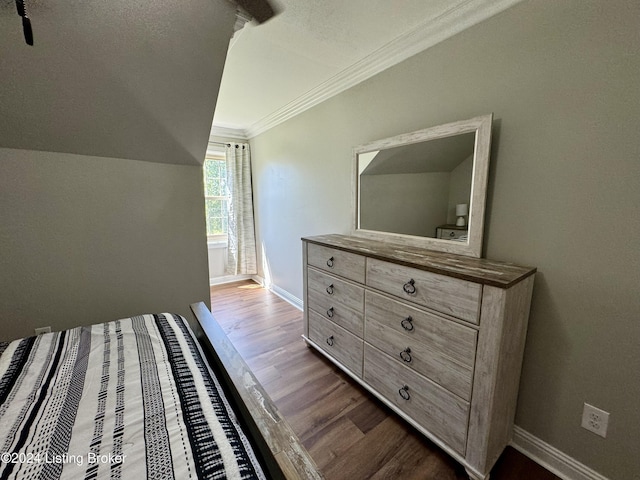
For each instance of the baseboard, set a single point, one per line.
(557, 462)
(230, 279)
(281, 292)
(287, 297)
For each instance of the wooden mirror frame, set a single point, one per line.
(473, 247)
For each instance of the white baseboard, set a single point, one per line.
(287, 297)
(557, 462)
(230, 279)
(281, 292)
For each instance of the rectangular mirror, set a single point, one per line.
(425, 188)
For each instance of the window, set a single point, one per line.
(216, 197)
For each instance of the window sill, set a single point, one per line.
(217, 244)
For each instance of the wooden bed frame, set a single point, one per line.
(284, 455)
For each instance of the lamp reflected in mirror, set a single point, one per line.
(462, 210)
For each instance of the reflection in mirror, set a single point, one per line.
(437, 173)
(425, 188)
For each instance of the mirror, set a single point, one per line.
(425, 188)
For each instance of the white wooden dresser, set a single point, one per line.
(437, 337)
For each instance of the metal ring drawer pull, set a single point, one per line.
(409, 287)
(330, 263)
(330, 313)
(330, 341)
(404, 392)
(406, 355)
(330, 289)
(407, 324)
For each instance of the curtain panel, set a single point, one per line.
(241, 235)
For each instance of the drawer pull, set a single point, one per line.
(330, 289)
(410, 287)
(330, 263)
(330, 313)
(330, 341)
(407, 324)
(404, 392)
(405, 355)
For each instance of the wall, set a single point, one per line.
(382, 195)
(217, 252)
(564, 189)
(461, 180)
(87, 239)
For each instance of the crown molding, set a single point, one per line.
(227, 132)
(242, 18)
(462, 15)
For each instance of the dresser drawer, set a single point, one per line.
(449, 295)
(337, 262)
(431, 406)
(438, 348)
(450, 233)
(339, 301)
(345, 347)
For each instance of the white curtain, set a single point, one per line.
(241, 234)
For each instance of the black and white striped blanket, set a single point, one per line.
(129, 399)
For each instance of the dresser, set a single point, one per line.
(450, 232)
(437, 337)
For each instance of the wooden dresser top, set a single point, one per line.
(478, 270)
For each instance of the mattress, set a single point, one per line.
(129, 399)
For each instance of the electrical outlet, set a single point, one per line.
(595, 420)
(43, 330)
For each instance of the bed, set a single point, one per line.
(138, 398)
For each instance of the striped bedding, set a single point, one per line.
(129, 399)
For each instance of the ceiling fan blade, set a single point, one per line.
(261, 10)
(20, 6)
(28, 32)
(26, 23)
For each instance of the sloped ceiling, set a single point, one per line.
(440, 155)
(134, 80)
(315, 49)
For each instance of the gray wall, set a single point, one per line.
(88, 239)
(393, 203)
(564, 189)
(459, 191)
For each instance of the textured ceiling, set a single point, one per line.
(281, 64)
(271, 64)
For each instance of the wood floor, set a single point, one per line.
(348, 433)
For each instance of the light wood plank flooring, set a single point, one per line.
(348, 433)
